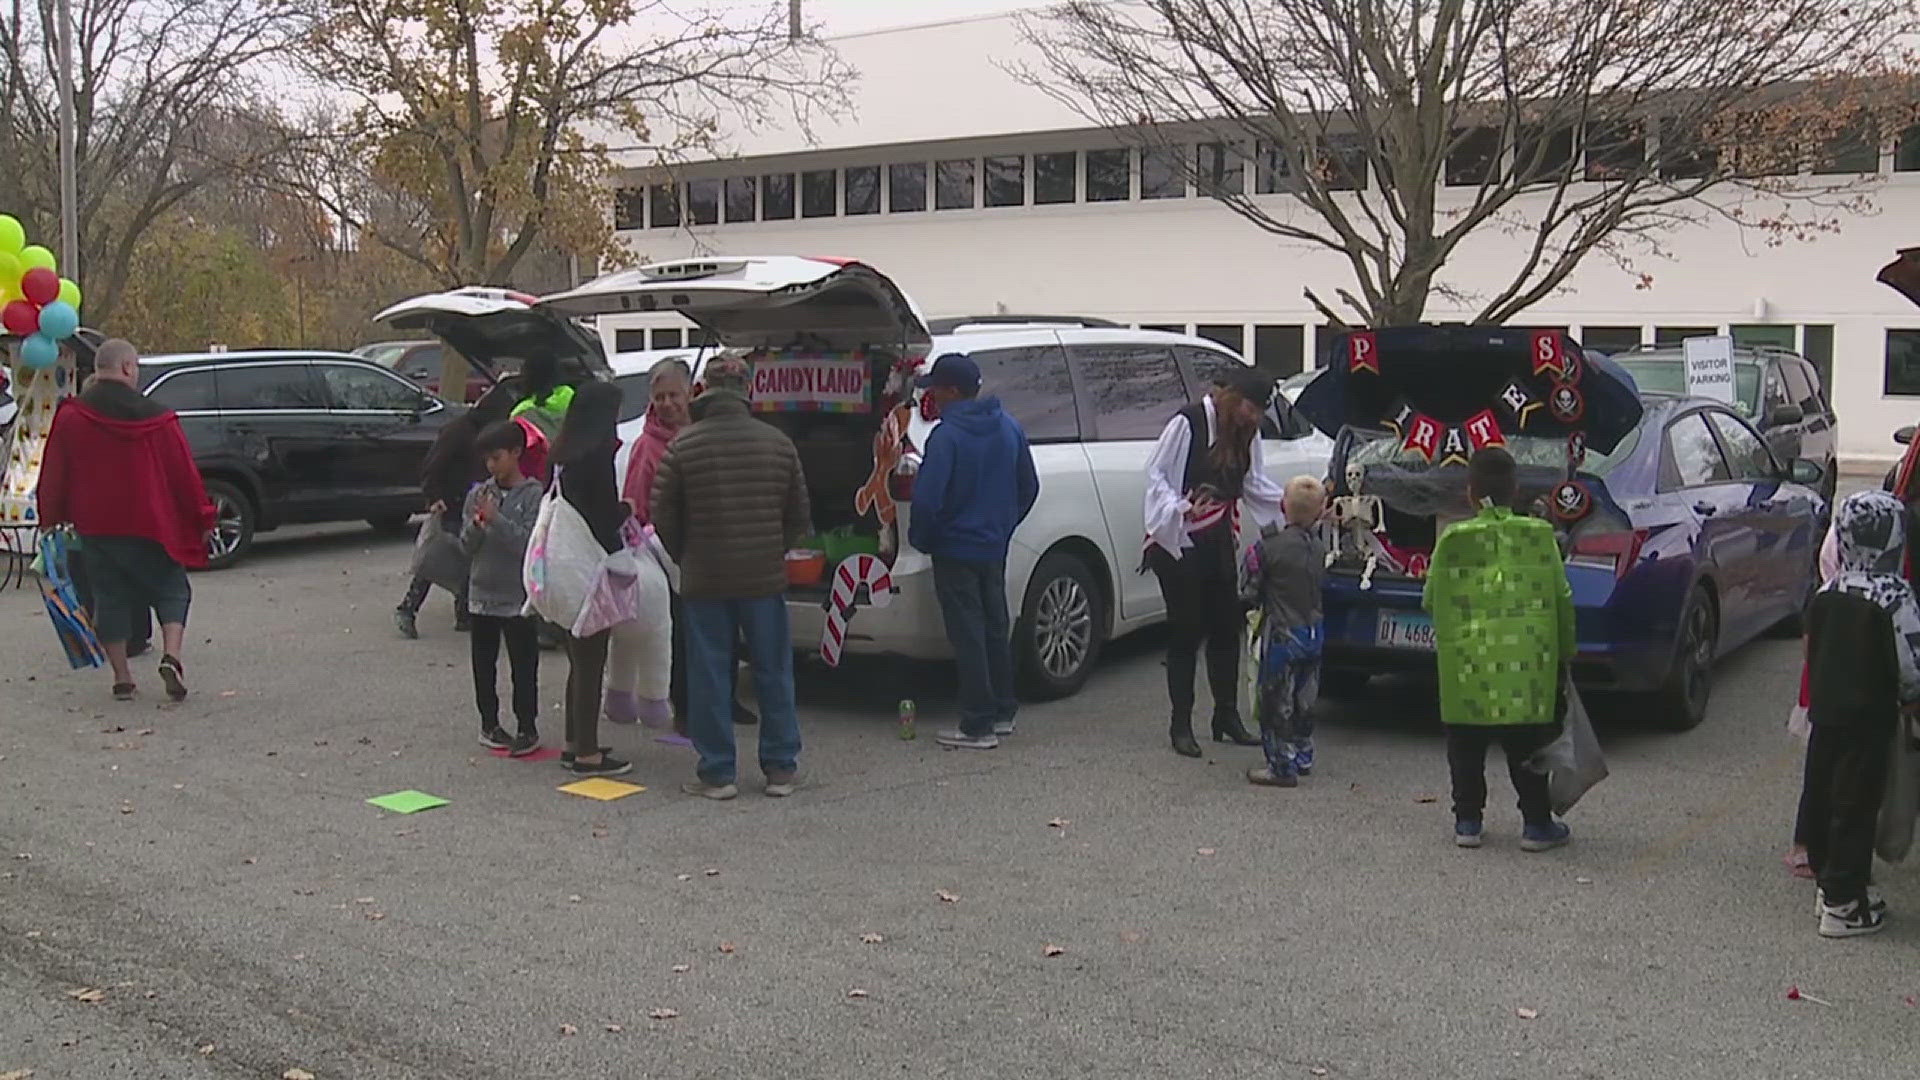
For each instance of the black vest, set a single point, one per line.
(1200, 466)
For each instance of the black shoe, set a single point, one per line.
(175, 676)
(403, 621)
(606, 766)
(1183, 743)
(566, 756)
(493, 738)
(1229, 729)
(523, 744)
(744, 716)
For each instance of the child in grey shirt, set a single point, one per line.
(497, 521)
(1288, 568)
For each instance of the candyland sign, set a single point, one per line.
(809, 384)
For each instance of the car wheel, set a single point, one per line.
(1682, 702)
(233, 521)
(390, 524)
(1343, 682)
(1061, 623)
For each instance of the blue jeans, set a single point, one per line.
(973, 601)
(712, 628)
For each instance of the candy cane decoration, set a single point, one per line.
(853, 572)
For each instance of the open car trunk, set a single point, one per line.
(831, 344)
(494, 330)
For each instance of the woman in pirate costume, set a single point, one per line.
(1205, 466)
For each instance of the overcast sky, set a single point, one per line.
(853, 16)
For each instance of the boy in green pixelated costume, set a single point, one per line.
(1503, 624)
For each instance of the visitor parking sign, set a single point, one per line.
(1710, 367)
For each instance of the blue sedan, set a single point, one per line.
(1697, 540)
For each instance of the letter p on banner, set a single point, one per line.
(1363, 352)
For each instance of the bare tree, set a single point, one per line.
(1391, 131)
(475, 129)
(165, 103)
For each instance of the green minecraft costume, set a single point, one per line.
(1502, 619)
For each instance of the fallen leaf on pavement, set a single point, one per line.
(88, 994)
(711, 872)
(207, 1049)
(229, 693)
(376, 916)
(126, 808)
(947, 897)
(363, 899)
(17, 1074)
(871, 939)
(726, 947)
(1427, 799)
(856, 992)
(31, 934)
(569, 1029)
(1318, 1070)
(1053, 950)
(296, 1074)
(615, 1028)
(1526, 1014)
(1205, 851)
(599, 832)
(1583, 881)
(144, 731)
(1059, 823)
(664, 1014)
(574, 899)
(683, 877)
(682, 969)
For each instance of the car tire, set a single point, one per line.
(234, 520)
(1062, 623)
(1681, 703)
(390, 524)
(1344, 682)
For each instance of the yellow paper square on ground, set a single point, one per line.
(599, 787)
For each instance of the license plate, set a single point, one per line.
(1403, 631)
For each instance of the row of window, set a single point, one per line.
(297, 385)
(1120, 174)
(1903, 363)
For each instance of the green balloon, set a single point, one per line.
(10, 269)
(35, 257)
(70, 292)
(13, 235)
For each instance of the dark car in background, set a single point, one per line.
(294, 438)
(1777, 390)
(422, 362)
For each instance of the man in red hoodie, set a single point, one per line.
(117, 468)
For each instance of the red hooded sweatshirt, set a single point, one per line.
(643, 464)
(116, 467)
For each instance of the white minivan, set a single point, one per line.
(1092, 396)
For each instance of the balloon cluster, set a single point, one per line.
(35, 302)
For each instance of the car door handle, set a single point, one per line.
(1704, 509)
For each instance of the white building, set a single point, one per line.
(980, 194)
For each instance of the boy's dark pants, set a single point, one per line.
(1467, 760)
(523, 659)
(1846, 778)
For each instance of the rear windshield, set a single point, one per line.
(1669, 376)
(1410, 484)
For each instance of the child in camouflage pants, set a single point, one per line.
(1286, 572)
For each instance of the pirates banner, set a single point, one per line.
(1444, 444)
(1363, 353)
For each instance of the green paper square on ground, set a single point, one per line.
(407, 802)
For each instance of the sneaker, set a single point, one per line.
(524, 743)
(960, 740)
(124, 691)
(1875, 901)
(606, 766)
(1303, 759)
(1851, 920)
(1467, 833)
(1545, 837)
(493, 738)
(716, 792)
(174, 674)
(1266, 777)
(781, 784)
(1002, 728)
(403, 621)
(566, 756)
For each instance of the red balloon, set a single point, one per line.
(20, 317)
(40, 285)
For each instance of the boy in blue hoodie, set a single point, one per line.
(975, 485)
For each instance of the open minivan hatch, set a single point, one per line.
(495, 329)
(832, 344)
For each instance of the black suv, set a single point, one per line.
(292, 438)
(1776, 389)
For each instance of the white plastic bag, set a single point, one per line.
(1573, 762)
(1250, 669)
(438, 557)
(562, 561)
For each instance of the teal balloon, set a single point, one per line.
(39, 351)
(58, 320)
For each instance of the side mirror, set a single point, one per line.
(1805, 473)
(1904, 436)
(1785, 416)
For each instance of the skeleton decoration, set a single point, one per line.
(1357, 519)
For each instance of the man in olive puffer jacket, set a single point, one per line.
(728, 502)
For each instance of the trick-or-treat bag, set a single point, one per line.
(1893, 838)
(70, 622)
(437, 555)
(1250, 667)
(1573, 761)
(562, 561)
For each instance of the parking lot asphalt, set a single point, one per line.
(1078, 903)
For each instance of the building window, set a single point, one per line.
(1166, 328)
(907, 188)
(1109, 175)
(1056, 178)
(1278, 348)
(1233, 337)
(1610, 339)
(1614, 150)
(1475, 157)
(1544, 157)
(1271, 171)
(863, 190)
(742, 201)
(629, 340)
(776, 197)
(1906, 151)
(1903, 363)
(820, 193)
(1674, 335)
(1816, 344)
(663, 206)
(1160, 175)
(1221, 169)
(1684, 155)
(1006, 180)
(1780, 337)
(703, 202)
(667, 339)
(953, 184)
(1323, 338)
(1343, 160)
(1854, 149)
(629, 208)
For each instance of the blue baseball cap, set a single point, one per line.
(954, 370)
